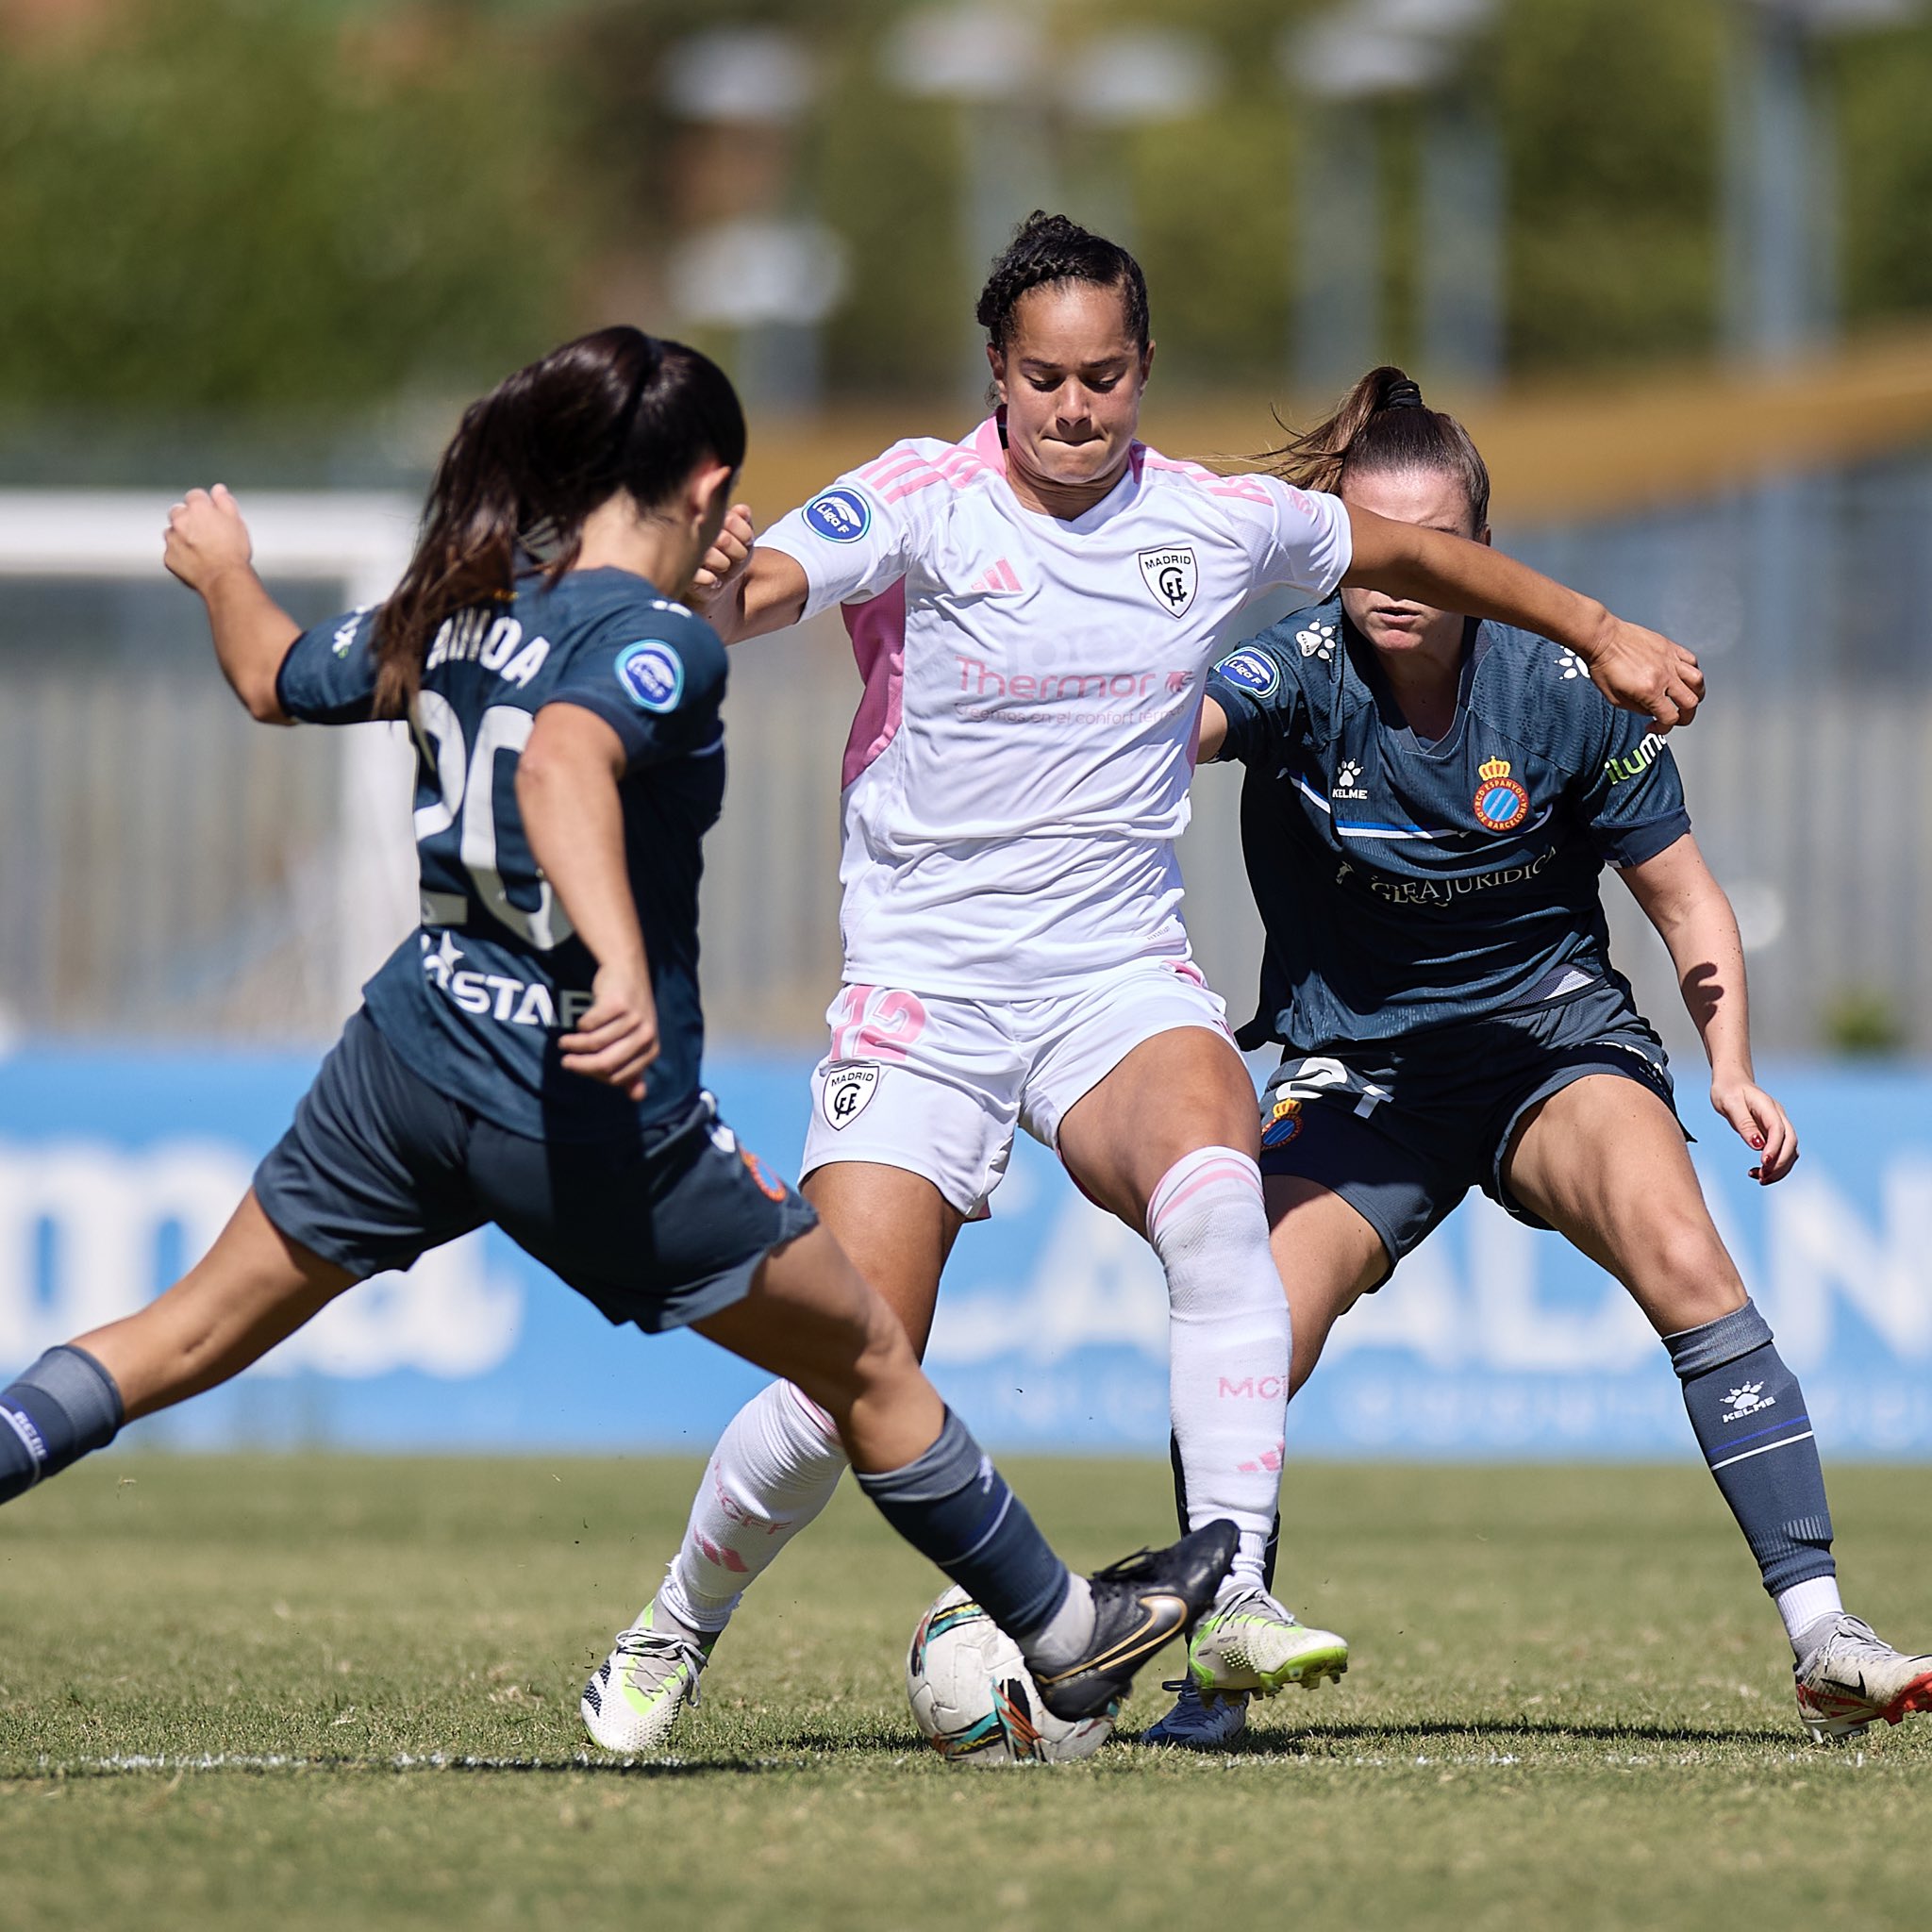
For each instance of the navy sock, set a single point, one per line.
(65, 1405)
(1749, 1414)
(952, 1505)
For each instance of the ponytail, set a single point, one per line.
(614, 410)
(1380, 426)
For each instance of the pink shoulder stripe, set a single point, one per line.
(1249, 488)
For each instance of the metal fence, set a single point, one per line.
(170, 870)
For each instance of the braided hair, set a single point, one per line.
(1380, 428)
(1050, 249)
(614, 410)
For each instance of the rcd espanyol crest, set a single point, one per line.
(1172, 576)
(848, 1091)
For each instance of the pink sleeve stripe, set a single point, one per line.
(895, 460)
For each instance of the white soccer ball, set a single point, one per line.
(973, 1701)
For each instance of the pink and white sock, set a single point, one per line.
(774, 1469)
(1227, 1344)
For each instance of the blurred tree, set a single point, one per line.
(208, 203)
(1609, 116)
(1883, 82)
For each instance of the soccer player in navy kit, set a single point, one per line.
(531, 1055)
(1428, 805)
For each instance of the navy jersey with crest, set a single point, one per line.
(1405, 884)
(475, 1002)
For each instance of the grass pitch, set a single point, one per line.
(323, 1693)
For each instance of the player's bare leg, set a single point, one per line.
(1604, 1161)
(778, 1463)
(1329, 1257)
(253, 1289)
(1168, 1142)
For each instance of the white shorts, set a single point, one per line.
(937, 1085)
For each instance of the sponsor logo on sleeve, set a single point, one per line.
(652, 675)
(1637, 762)
(840, 515)
(1501, 803)
(1569, 666)
(1172, 576)
(1253, 670)
(847, 1091)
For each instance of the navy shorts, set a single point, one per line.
(1402, 1129)
(660, 1228)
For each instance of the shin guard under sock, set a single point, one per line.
(954, 1507)
(773, 1471)
(1228, 1345)
(1749, 1415)
(60, 1410)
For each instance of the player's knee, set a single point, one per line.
(1687, 1273)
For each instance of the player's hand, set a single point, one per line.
(617, 1037)
(725, 561)
(1761, 1124)
(1643, 671)
(206, 537)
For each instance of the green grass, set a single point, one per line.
(1570, 1706)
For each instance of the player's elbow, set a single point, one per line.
(260, 699)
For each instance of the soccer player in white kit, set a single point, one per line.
(1034, 610)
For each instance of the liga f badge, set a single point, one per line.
(848, 1091)
(1172, 576)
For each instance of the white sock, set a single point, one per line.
(1227, 1344)
(1805, 1604)
(774, 1469)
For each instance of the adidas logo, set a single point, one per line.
(1000, 578)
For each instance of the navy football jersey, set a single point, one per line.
(475, 1002)
(1405, 884)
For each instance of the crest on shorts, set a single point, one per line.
(848, 1091)
(1284, 1123)
(1172, 576)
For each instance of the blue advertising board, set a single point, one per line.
(117, 1170)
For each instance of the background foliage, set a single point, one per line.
(301, 209)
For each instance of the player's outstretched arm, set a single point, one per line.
(746, 591)
(1694, 919)
(567, 779)
(1638, 670)
(207, 547)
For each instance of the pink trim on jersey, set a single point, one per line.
(877, 631)
(987, 446)
(1244, 489)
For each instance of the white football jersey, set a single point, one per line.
(1017, 772)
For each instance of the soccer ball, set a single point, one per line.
(973, 1701)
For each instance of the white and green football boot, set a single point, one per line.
(1248, 1641)
(1198, 1722)
(634, 1697)
(1850, 1677)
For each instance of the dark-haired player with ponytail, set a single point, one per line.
(530, 1058)
(1429, 804)
(1034, 610)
